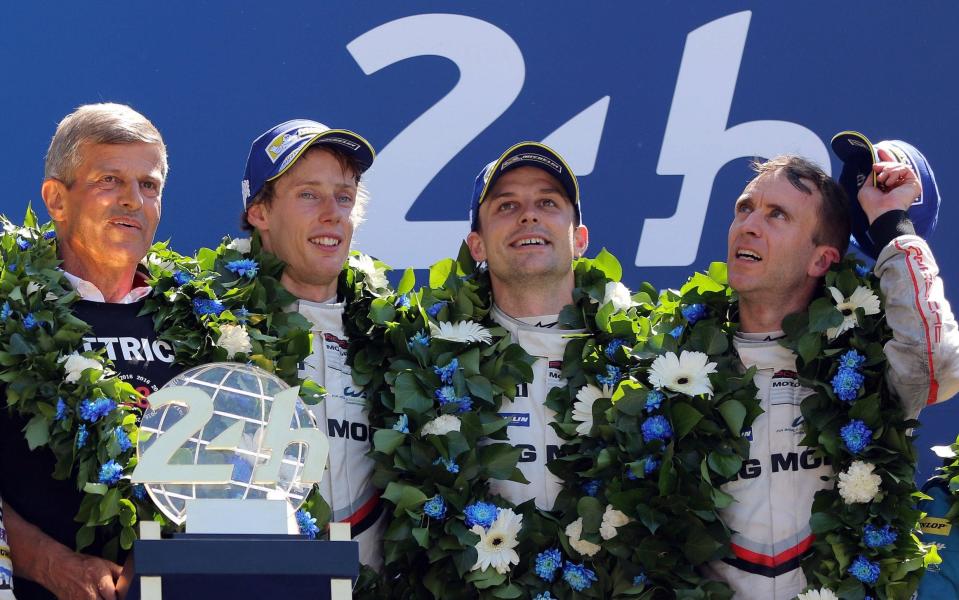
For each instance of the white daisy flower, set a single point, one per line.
(858, 484)
(820, 594)
(495, 547)
(862, 298)
(461, 331)
(234, 339)
(573, 531)
(617, 294)
(687, 374)
(583, 407)
(241, 245)
(612, 519)
(441, 425)
(75, 364)
(364, 264)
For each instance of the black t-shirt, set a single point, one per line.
(26, 484)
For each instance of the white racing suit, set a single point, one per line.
(529, 417)
(6, 563)
(347, 485)
(775, 488)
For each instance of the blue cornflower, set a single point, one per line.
(656, 428)
(654, 399)
(61, 410)
(12, 267)
(846, 383)
(544, 596)
(591, 487)
(435, 309)
(244, 267)
(578, 576)
(49, 235)
(5, 311)
(447, 395)
(182, 277)
(614, 345)
(480, 513)
(851, 360)
(862, 270)
(202, 306)
(123, 440)
(402, 424)
(446, 373)
(856, 435)
(864, 570)
(403, 301)
(24, 244)
(449, 464)
(110, 472)
(140, 492)
(435, 507)
(640, 579)
(29, 321)
(547, 563)
(651, 465)
(420, 338)
(694, 312)
(876, 537)
(93, 410)
(82, 435)
(612, 377)
(677, 331)
(307, 524)
(241, 314)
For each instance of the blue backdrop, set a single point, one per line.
(656, 106)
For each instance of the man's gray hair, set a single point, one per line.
(105, 123)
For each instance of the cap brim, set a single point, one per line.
(345, 140)
(856, 151)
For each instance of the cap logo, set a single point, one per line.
(285, 141)
(343, 142)
(531, 157)
(857, 142)
(245, 186)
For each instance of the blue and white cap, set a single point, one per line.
(858, 155)
(524, 154)
(278, 149)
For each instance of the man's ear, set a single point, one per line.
(476, 246)
(580, 241)
(54, 197)
(256, 215)
(824, 258)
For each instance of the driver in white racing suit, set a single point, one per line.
(302, 193)
(526, 226)
(791, 223)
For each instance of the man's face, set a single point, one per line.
(527, 229)
(308, 225)
(770, 244)
(108, 216)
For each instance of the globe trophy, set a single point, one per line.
(230, 452)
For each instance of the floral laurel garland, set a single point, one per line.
(225, 304)
(441, 441)
(866, 544)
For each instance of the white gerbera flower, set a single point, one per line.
(441, 425)
(241, 245)
(75, 364)
(862, 298)
(612, 519)
(461, 331)
(573, 531)
(495, 547)
(820, 594)
(858, 484)
(583, 407)
(234, 339)
(617, 294)
(687, 374)
(364, 264)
